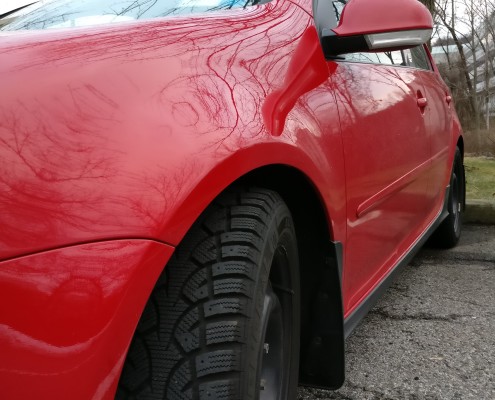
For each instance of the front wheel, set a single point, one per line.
(449, 232)
(223, 320)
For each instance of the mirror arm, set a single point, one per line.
(334, 45)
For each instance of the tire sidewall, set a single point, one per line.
(458, 170)
(280, 236)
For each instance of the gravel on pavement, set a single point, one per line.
(432, 335)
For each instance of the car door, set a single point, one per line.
(438, 121)
(386, 150)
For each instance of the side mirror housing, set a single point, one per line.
(378, 25)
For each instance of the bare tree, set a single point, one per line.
(430, 4)
(469, 27)
(446, 15)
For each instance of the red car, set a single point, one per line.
(200, 199)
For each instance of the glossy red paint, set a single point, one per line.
(386, 181)
(132, 138)
(122, 142)
(68, 333)
(115, 138)
(364, 16)
(306, 71)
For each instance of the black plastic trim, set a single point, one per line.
(323, 359)
(15, 10)
(352, 321)
(337, 254)
(334, 45)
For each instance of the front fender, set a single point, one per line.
(199, 194)
(67, 317)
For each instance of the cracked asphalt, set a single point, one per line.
(432, 335)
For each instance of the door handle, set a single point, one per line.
(422, 102)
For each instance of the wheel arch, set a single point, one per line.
(460, 144)
(322, 362)
(322, 323)
(305, 183)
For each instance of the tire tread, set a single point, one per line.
(206, 294)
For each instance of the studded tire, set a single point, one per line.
(223, 320)
(448, 233)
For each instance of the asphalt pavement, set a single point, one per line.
(432, 335)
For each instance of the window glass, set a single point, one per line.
(387, 58)
(69, 13)
(338, 6)
(416, 58)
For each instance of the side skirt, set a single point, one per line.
(353, 320)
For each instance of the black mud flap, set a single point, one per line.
(322, 356)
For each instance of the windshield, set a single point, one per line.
(49, 14)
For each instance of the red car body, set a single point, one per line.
(115, 138)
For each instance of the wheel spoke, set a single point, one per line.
(271, 369)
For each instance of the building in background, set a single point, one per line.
(479, 52)
(444, 53)
(480, 58)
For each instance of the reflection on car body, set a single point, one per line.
(203, 198)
